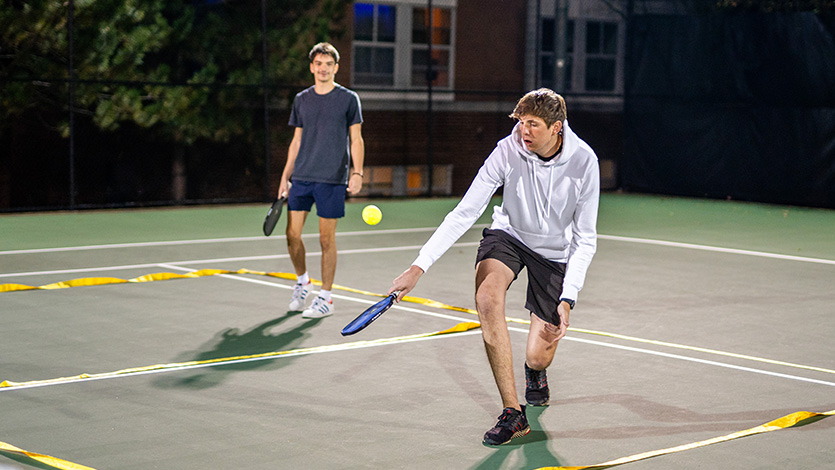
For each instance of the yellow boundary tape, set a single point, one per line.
(65, 465)
(459, 328)
(45, 459)
(787, 421)
(99, 281)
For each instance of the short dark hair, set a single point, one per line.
(542, 103)
(324, 48)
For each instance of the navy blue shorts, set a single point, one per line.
(329, 198)
(545, 277)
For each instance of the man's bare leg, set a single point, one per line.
(542, 344)
(492, 280)
(327, 240)
(295, 245)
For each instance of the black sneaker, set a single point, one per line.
(536, 387)
(512, 424)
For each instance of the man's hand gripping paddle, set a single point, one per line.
(272, 215)
(369, 315)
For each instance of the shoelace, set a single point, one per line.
(320, 304)
(506, 420)
(299, 291)
(537, 377)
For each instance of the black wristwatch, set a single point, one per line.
(569, 301)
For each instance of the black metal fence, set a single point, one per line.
(114, 104)
(120, 103)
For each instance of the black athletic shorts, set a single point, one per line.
(544, 277)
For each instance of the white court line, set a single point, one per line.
(139, 266)
(220, 260)
(569, 338)
(735, 251)
(422, 312)
(332, 348)
(645, 241)
(130, 245)
(237, 277)
(337, 348)
(376, 250)
(170, 265)
(701, 361)
(205, 241)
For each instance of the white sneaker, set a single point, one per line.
(320, 308)
(299, 294)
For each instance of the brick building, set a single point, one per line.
(484, 55)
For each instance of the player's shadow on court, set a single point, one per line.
(532, 450)
(233, 343)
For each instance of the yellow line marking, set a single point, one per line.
(787, 421)
(45, 459)
(98, 281)
(459, 328)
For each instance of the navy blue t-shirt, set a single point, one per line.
(325, 148)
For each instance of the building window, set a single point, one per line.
(569, 55)
(441, 27)
(548, 56)
(391, 45)
(374, 40)
(601, 55)
(591, 56)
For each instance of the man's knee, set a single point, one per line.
(489, 299)
(295, 226)
(538, 362)
(542, 343)
(540, 355)
(294, 238)
(327, 243)
(327, 233)
(492, 281)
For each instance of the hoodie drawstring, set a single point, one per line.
(540, 216)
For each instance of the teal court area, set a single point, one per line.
(699, 319)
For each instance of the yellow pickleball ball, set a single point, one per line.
(372, 215)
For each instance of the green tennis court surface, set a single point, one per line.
(699, 319)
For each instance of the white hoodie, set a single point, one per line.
(551, 206)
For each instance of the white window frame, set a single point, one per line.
(375, 44)
(579, 56)
(449, 48)
(403, 47)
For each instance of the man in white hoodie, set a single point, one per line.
(547, 223)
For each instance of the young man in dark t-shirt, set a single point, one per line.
(328, 119)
